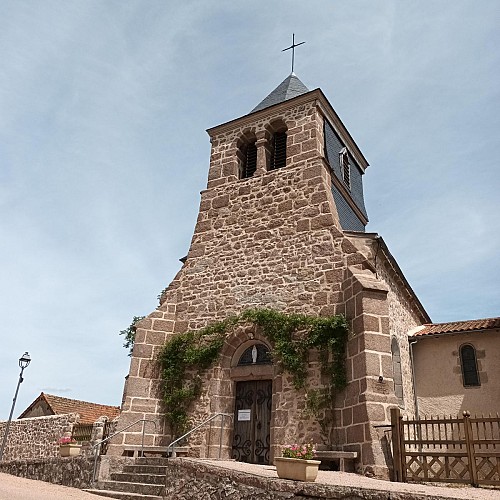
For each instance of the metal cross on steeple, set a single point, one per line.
(293, 48)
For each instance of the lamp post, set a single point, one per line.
(24, 361)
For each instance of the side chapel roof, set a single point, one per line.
(289, 88)
(475, 325)
(89, 412)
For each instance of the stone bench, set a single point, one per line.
(148, 451)
(345, 458)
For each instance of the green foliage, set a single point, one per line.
(319, 404)
(159, 296)
(130, 334)
(185, 356)
(188, 354)
(292, 335)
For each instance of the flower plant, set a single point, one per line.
(304, 452)
(67, 440)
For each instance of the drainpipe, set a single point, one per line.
(414, 380)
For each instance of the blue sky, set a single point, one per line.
(103, 151)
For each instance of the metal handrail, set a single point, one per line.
(96, 445)
(170, 447)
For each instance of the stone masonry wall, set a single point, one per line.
(404, 314)
(36, 437)
(75, 472)
(190, 480)
(402, 319)
(264, 241)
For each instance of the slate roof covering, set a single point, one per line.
(289, 88)
(89, 412)
(474, 325)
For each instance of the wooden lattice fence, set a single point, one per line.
(449, 449)
(82, 432)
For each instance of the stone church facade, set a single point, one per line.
(281, 226)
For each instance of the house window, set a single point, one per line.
(278, 156)
(345, 168)
(468, 362)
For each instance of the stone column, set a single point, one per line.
(263, 152)
(97, 434)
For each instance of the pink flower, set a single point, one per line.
(67, 440)
(304, 452)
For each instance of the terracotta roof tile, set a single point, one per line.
(459, 326)
(89, 412)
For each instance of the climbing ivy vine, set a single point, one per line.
(130, 334)
(185, 356)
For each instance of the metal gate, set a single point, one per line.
(252, 417)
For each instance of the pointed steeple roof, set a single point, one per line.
(290, 87)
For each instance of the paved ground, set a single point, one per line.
(18, 488)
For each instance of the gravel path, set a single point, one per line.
(19, 488)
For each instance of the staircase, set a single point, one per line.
(144, 480)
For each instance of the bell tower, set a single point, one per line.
(273, 136)
(281, 225)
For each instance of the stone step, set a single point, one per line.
(151, 461)
(123, 495)
(142, 488)
(152, 451)
(133, 477)
(145, 469)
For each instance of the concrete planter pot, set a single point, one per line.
(297, 469)
(69, 449)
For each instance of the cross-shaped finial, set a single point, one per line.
(293, 48)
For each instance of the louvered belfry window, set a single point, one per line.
(278, 158)
(469, 366)
(251, 165)
(250, 161)
(345, 168)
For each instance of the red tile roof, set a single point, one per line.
(89, 412)
(459, 326)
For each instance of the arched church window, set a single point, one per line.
(397, 372)
(345, 168)
(257, 354)
(468, 362)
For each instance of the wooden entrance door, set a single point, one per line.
(252, 417)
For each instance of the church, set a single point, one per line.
(281, 227)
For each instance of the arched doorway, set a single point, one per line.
(252, 372)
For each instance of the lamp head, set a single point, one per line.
(24, 360)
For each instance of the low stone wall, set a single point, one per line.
(73, 471)
(37, 437)
(192, 480)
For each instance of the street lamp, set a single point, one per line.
(24, 361)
